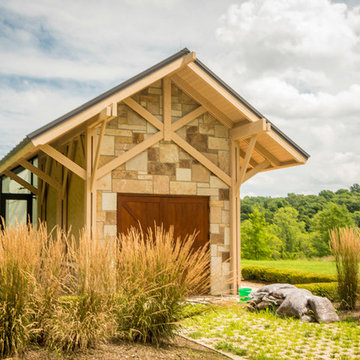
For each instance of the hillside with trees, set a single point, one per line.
(296, 226)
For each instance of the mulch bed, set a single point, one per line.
(180, 349)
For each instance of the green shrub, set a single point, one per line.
(267, 274)
(345, 246)
(329, 290)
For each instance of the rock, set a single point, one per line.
(323, 309)
(293, 302)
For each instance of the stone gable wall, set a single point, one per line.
(166, 169)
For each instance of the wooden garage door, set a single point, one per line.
(185, 213)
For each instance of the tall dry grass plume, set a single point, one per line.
(155, 273)
(345, 246)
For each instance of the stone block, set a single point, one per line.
(108, 201)
(169, 153)
(212, 157)
(108, 145)
(183, 174)
(104, 183)
(213, 250)
(123, 140)
(135, 119)
(224, 194)
(137, 137)
(161, 184)
(109, 230)
(110, 218)
(182, 188)
(226, 205)
(217, 239)
(215, 182)
(158, 168)
(198, 141)
(200, 173)
(207, 191)
(225, 217)
(215, 215)
(221, 131)
(216, 143)
(227, 236)
(224, 161)
(185, 164)
(214, 228)
(123, 174)
(206, 129)
(138, 163)
(153, 154)
(132, 186)
(100, 230)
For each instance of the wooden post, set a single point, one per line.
(90, 200)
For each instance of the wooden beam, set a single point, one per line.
(66, 170)
(22, 182)
(184, 86)
(252, 162)
(63, 160)
(167, 108)
(250, 173)
(201, 158)
(132, 104)
(97, 156)
(247, 158)
(290, 149)
(121, 159)
(129, 90)
(223, 92)
(266, 154)
(188, 118)
(40, 174)
(243, 131)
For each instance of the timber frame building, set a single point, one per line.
(173, 144)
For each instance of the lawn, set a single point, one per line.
(314, 266)
(258, 336)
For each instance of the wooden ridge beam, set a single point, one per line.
(201, 158)
(22, 182)
(40, 174)
(113, 164)
(184, 86)
(63, 160)
(188, 118)
(243, 131)
(132, 104)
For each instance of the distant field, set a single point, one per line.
(321, 267)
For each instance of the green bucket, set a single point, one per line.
(244, 294)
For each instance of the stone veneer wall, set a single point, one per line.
(167, 169)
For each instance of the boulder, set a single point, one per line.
(290, 301)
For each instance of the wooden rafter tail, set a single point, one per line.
(22, 182)
(201, 158)
(40, 174)
(63, 160)
(132, 104)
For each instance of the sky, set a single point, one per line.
(296, 61)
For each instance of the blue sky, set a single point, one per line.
(297, 61)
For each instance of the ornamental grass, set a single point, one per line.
(345, 246)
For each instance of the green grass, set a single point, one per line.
(313, 266)
(234, 330)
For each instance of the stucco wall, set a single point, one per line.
(166, 169)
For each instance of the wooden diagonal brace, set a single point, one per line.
(40, 174)
(63, 160)
(246, 161)
(262, 166)
(22, 182)
(201, 158)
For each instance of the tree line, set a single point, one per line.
(297, 225)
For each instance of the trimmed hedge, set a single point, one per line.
(329, 290)
(272, 275)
